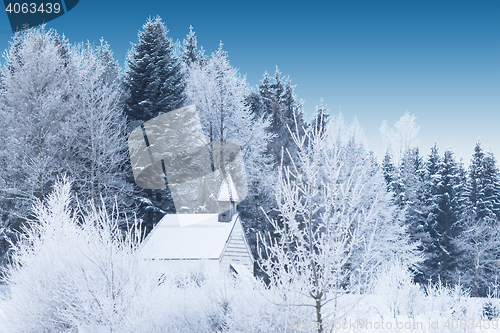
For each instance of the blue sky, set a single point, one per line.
(374, 60)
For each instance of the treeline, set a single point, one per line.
(451, 211)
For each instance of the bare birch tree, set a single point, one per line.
(318, 230)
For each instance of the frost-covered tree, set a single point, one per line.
(153, 75)
(61, 115)
(336, 224)
(407, 190)
(403, 138)
(317, 234)
(479, 242)
(219, 93)
(404, 172)
(99, 148)
(36, 108)
(348, 144)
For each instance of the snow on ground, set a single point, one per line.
(372, 313)
(3, 291)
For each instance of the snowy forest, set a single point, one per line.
(340, 236)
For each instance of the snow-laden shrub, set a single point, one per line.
(256, 309)
(451, 302)
(396, 289)
(74, 268)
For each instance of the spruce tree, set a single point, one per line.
(153, 78)
(265, 93)
(321, 118)
(484, 193)
(477, 214)
(110, 65)
(449, 189)
(155, 85)
(492, 185)
(255, 104)
(284, 112)
(441, 199)
(191, 53)
(389, 172)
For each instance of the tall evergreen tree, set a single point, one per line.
(255, 104)
(440, 200)
(484, 184)
(155, 85)
(389, 172)
(449, 189)
(111, 68)
(285, 113)
(191, 52)
(321, 118)
(479, 224)
(153, 78)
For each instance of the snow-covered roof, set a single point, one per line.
(187, 236)
(227, 190)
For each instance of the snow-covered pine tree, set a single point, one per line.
(484, 184)
(153, 77)
(429, 200)
(477, 232)
(492, 186)
(464, 204)
(111, 68)
(389, 172)
(321, 117)
(255, 104)
(284, 111)
(265, 93)
(155, 84)
(440, 198)
(449, 189)
(191, 52)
